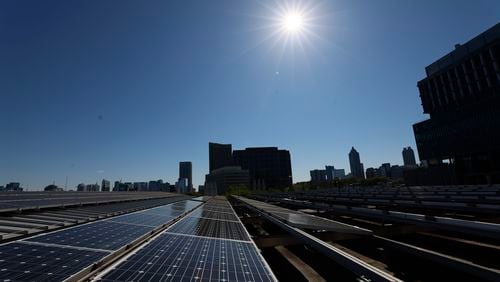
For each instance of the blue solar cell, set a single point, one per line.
(188, 258)
(27, 262)
(97, 235)
(142, 218)
(210, 228)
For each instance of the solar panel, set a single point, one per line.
(187, 258)
(142, 218)
(303, 220)
(202, 212)
(97, 235)
(27, 262)
(210, 228)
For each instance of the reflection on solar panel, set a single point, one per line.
(202, 212)
(188, 258)
(26, 262)
(97, 235)
(153, 220)
(210, 228)
(303, 220)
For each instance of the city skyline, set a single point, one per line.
(86, 111)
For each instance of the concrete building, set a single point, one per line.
(186, 171)
(52, 188)
(330, 172)
(385, 170)
(220, 180)
(371, 172)
(105, 185)
(461, 95)
(220, 155)
(357, 169)
(409, 157)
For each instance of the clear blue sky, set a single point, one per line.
(127, 89)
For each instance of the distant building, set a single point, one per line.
(201, 189)
(182, 185)
(220, 180)
(80, 187)
(357, 169)
(318, 175)
(106, 185)
(385, 170)
(339, 173)
(156, 186)
(140, 186)
(397, 172)
(220, 155)
(461, 94)
(330, 172)
(409, 157)
(52, 188)
(371, 172)
(13, 186)
(92, 187)
(268, 167)
(186, 171)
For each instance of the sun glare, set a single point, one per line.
(293, 22)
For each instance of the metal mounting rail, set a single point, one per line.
(365, 271)
(488, 274)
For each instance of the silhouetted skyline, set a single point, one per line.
(93, 90)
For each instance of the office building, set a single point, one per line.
(409, 157)
(318, 175)
(220, 155)
(357, 169)
(220, 180)
(461, 95)
(268, 167)
(105, 185)
(330, 172)
(52, 188)
(371, 173)
(186, 171)
(339, 173)
(182, 185)
(13, 186)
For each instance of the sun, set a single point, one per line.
(293, 22)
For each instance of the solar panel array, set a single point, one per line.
(303, 220)
(58, 255)
(210, 244)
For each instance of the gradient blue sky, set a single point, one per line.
(167, 77)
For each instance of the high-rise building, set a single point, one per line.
(220, 155)
(268, 166)
(181, 186)
(357, 169)
(330, 172)
(409, 157)
(461, 94)
(186, 171)
(106, 185)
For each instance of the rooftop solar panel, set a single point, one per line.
(141, 218)
(188, 258)
(303, 220)
(210, 228)
(27, 262)
(201, 212)
(97, 235)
